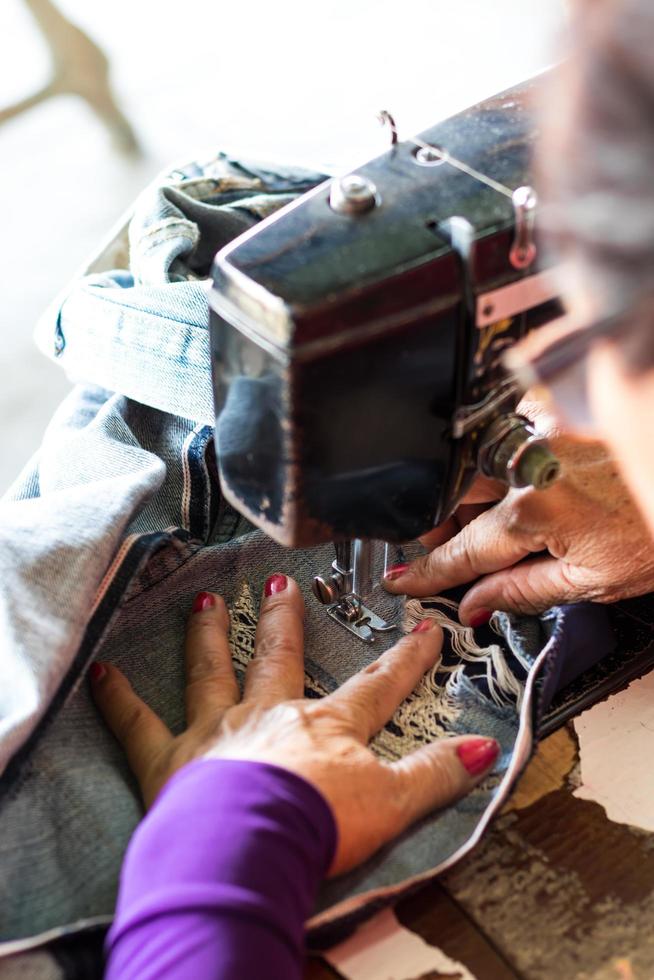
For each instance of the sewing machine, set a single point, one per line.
(357, 339)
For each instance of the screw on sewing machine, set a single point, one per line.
(324, 590)
(353, 194)
(338, 583)
(328, 588)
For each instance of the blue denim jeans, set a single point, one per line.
(117, 523)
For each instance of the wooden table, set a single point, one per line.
(555, 891)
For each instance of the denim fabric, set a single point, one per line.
(109, 533)
(143, 332)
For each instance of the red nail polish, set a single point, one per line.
(202, 601)
(423, 626)
(480, 618)
(478, 754)
(395, 571)
(275, 584)
(97, 671)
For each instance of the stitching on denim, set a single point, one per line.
(147, 243)
(197, 188)
(194, 547)
(197, 487)
(166, 225)
(226, 523)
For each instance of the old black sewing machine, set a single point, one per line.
(357, 339)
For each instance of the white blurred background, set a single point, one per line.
(289, 81)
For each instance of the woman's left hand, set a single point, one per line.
(325, 741)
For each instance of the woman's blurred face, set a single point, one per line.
(622, 404)
(596, 163)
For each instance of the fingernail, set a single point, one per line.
(480, 617)
(275, 584)
(423, 626)
(478, 754)
(202, 601)
(97, 671)
(395, 571)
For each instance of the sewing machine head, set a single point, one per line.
(357, 338)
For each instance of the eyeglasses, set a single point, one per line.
(562, 368)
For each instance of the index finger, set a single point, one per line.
(368, 699)
(487, 544)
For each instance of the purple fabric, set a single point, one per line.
(221, 875)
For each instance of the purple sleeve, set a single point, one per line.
(221, 876)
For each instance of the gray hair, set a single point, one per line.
(597, 157)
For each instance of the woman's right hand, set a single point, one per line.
(325, 741)
(583, 538)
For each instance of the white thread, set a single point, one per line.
(504, 688)
(432, 708)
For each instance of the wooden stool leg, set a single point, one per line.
(80, 68)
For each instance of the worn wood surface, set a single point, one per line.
(555, 891)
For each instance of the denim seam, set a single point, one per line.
(152, 239)
(141, 551)
(194, 545)
(197, 489)
(167, 223)
(195, 188)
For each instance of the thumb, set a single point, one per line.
(438, 774)
(530, 587)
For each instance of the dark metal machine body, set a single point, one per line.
(357, 338)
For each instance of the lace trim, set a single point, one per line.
(431, 711)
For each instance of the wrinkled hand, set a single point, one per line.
(597, 545)
(325, 740)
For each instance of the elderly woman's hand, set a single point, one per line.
(325, 741)
(587, 536)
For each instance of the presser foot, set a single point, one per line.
(341, 589)
(350, 613)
